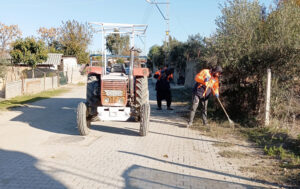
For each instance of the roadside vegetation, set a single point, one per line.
(279, 151)
(181, 95)
(23, 100)
(250, 39)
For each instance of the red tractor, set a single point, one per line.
(115, 95)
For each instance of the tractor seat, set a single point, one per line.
(118, 68)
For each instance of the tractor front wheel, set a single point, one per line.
(93, 93)
(83, 123)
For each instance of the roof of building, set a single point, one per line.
(53, 59)
(69, 56)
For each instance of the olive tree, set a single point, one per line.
(29, 51)
(74, 38)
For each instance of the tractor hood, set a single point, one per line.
(115, 76)
(114, 89)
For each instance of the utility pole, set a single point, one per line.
(167, 19)
(167, 33)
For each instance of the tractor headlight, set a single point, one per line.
(106, 100)
(121, 100)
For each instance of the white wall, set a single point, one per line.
(13, 89)
(190, 73)
(69, 63)
(30, 86)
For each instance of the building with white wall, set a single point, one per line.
(69, 63)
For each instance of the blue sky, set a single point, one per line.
(187, 17)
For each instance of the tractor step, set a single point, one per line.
(113, 113)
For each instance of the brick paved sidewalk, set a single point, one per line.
(40, 148)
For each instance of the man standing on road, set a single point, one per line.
(207, 81)
(163, 90)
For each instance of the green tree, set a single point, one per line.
(117, 44)
(7, 35)
(29, 51)
(3, 66)
(48, 35)
(236, 43)
(157, 55)
(177, 55)
(283, 57)
(238, 30)
(247, 42)
(50, 38)
(194, 47)
(283, 25)
(74, 38)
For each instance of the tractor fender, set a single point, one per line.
(141, 72)
(94, 69)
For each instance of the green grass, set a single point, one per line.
(281, 151)
(278, 144)
(21, 100)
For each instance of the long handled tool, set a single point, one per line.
(230, 121)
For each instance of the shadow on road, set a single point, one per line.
(115, 130)
(57, 115)
(169, 122)
(143, 177)
(18, 170)
(152, 91)
(201, 169)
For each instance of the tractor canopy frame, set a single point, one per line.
(117, 28)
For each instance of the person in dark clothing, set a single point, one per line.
(181, 80)
(163, 90)
(207, 82)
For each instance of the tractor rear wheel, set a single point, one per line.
(83, 123)
(145, 116)
(142, 96)
(93, 93)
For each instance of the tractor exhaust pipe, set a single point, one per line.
(131, 86)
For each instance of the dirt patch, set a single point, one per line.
(250, 157)
(266, 173)
(233, 154)
(261, 154)
(223, 144)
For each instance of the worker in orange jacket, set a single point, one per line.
(157, 74)
(163, 91)
(207, 82)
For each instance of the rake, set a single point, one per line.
(230, 121)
